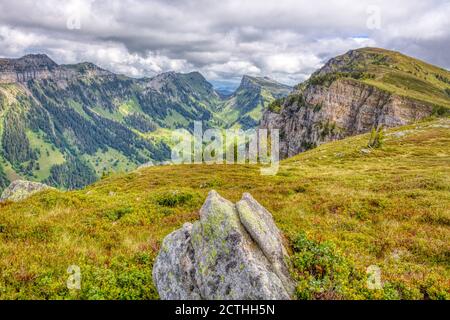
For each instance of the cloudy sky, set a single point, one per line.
(283, 39)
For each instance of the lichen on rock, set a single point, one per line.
(232, 252)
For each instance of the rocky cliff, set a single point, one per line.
(40, 67)
(347, 97)
(320, 114)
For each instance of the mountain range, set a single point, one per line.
(67, 125)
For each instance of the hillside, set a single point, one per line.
(355, 92)
(67, 125)
(342, 208)
(393, 72)
(244, 109)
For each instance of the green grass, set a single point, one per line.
(48, 155)
(340, 209)
(129, 107)
(408, 77)
(175, 119)
(79, 108)
(10, 173)
(109, 161)
(396, 73)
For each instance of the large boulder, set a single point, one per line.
(20, 189)
(234, 252)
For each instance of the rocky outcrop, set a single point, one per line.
(246, 105)
(320, 113)
(355, 92)
(40, 67)
(234, 251)
(19, 190)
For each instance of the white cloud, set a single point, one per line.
(283, 39)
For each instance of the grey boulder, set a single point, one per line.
(234, 252)
(20, 189)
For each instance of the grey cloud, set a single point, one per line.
(283, 39)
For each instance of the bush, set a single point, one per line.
(376, 138)
(441, 111)
(447, 91)
(173, 199)
(117, 214)
(323, 274)
(276, 105)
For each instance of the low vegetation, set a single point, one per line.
(342, 211)
(389, 71)
(376, 138)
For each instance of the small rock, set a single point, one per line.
(146, 165)
(400, 134)
(365, 151)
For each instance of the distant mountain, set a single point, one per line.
(67, 125)
(225, 92)
(244, 108)
(355, 92)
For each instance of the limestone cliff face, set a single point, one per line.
(40, 67)
(315, 114)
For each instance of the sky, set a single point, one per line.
(283, 39)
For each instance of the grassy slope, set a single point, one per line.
(390, 208)
(48, 155)
(406, 76)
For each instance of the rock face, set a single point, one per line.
(19, 190)
(347, 107)
(40, 67)
(234, 252)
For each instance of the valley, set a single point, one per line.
(67, 125)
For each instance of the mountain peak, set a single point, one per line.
(253, 81)
(365, 59)
(249, 81)
(193, 80)
(87, 68)
(37, 57)
(27, 62)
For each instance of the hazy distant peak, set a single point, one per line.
(252, 81)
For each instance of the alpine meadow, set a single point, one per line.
(96, 103)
